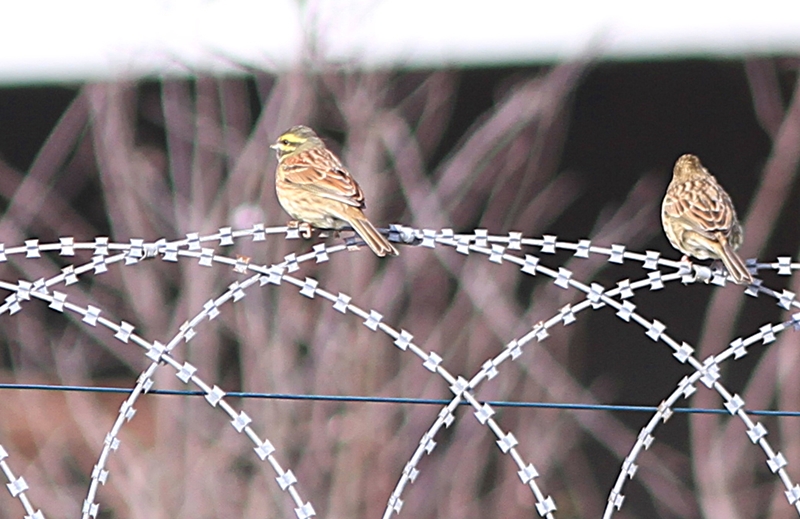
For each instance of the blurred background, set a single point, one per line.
(152, 119)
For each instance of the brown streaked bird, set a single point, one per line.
(317, 191)
(699, 218)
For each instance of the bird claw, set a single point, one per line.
(305, 228)
(241, 264)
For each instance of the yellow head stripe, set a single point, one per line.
(292, 138)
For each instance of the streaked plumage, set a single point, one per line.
(316, 189)
(700, 220)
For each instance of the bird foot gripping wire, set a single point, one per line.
(712, 274)
(241, 264)
(305, 228)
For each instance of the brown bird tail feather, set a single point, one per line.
(735, 265)
(376, 241)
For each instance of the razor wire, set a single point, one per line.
(597, 297)
(493, 247)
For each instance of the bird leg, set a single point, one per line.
(305, 228)
(688, 266)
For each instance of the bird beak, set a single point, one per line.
(274, 146)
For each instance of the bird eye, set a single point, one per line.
(285, 142)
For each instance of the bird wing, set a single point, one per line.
(321, 172)
(703, 205)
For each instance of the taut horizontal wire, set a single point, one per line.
(396, 400)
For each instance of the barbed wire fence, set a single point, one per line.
(208, 251)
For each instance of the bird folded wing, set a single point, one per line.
(702, 206)
(330, 182)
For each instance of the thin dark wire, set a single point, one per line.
(396, 400)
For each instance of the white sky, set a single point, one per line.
(54, 40)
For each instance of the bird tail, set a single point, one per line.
(735, 265)
(376, 241)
